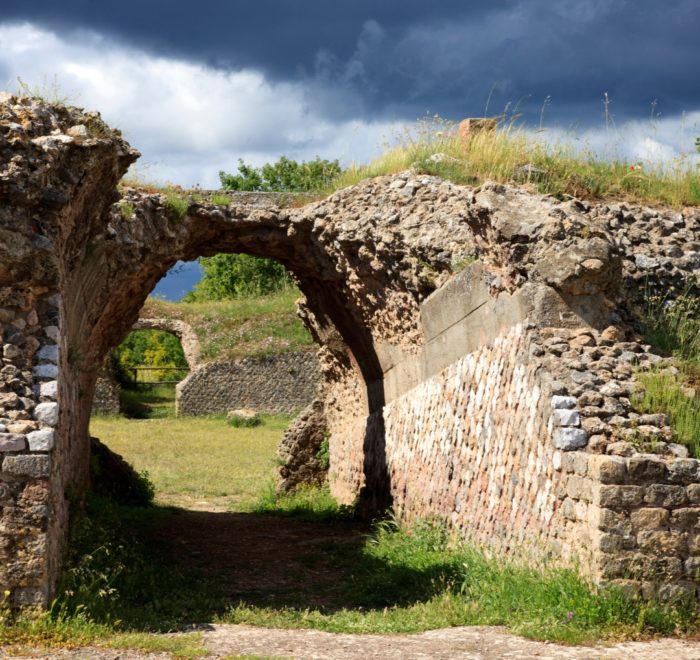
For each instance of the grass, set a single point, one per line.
(309, 503)
(673, 327)
(670, 394)
(413, 579)
(147, 401)
(190, 459)
(558, 169)
(245, 327)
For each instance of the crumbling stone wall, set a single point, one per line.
(283, 383)
(496, 397)
(105, 400)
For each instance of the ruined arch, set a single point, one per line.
(488, 397)
(183, 331)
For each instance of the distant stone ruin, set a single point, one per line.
(478, 349)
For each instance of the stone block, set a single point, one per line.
(621, 448)
(569, 439)
(693, 492)
(613, 565)
(620, 497)
(608, 469)
(685, 517)
(692, 568)
(563, 402)
(52, 332)
(48, 371)
(49, 389)
(694, 543)
(649, 518)
(49, 353)
(41, 440)
(610, 521)
(683, 471)
(677, 592)
(646, 468)
(662, 495)
(47, 413)
(609, 543)
(662, 542)
(37, 465)
(563, 417)
(12, 442)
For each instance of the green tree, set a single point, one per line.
(238, 275)
(149, 348)
(697, 143)
(285, 175)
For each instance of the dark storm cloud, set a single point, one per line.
(400, 59)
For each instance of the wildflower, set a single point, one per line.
(569, 616)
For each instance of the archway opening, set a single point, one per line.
(228, 526)
(147, 366)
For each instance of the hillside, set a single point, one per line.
(233, 329)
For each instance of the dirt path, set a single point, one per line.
(465, 643)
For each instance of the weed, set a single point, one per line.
(461, 263)
(175, 205)
(323, 454)
(409, 579)
(668, 393)
(673, 327)
(194, 458)
(49, 92)
(126, 209)
(244, 327)
(220, 200)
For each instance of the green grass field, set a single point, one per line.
(197, 460)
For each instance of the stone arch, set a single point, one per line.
(489, 397)
(183, 331)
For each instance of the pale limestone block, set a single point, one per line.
(42, 440)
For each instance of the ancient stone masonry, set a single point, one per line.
(478, 348)
(283, 383)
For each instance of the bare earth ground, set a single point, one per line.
(465, 643)
(278, 561)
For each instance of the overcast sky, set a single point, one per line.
(197, 85)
